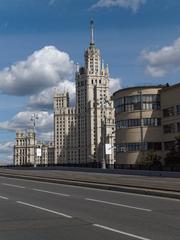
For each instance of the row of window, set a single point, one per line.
(134, 147)
(137, 122)
(138, 102)
(171, 111)
(171, 128)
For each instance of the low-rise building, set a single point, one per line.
(170, 105)
(138, 123)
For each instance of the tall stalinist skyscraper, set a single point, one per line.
(94, 112)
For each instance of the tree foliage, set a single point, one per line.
(173, 157)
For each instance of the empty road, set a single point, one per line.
(31, 210)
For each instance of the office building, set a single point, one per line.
(147, 119)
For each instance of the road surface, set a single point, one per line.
(31, 210)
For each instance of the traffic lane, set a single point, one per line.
(137, 200)
(19, 222)
(154, 225)
(130, 180)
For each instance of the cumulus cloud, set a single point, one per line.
(115, 84)
(6, 147)
(45, 68)
(6, 150)
(22, 120)
(134, 5)
(44, 100)
(164, 61)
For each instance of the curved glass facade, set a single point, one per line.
(133, 103)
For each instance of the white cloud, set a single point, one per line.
(22, 120)
(6, 147)
(52, 2)
(115, 84)
(164, 61)
(44, 100)
(45, 68)
(134, 5)
(6, 150)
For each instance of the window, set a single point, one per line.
(178, 109)
(137, 122)
(154, 146)
(178, 126)
(134, 147)
(168, 146)
(168, 112)
(169, 128)
(151, 122)
(133, 103)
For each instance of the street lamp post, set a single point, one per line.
(34, 117)
(103, 133)
(141, 118)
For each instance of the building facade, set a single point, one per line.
(85, 129)
(147, 118)
(170, 105)
(65, 134)
(51, 153)
(138, 123)
(28, 151)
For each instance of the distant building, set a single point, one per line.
(80, 133)
(51, 158)
(65, 135)
(27, 151)
(41, 157)
(147, 118)
(24, 148)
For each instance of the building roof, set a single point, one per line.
(141, 87)
(167, 88)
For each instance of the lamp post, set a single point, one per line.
(141, 118)
(34, 117)
(104, 133)
(103, 136)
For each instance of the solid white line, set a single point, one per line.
(12, 185)
(98, 190)
(55, 193)
(44, 209)
(120, 232)
(5, 198)
(118, 204)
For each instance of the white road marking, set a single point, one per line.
(121, 232)
(99, 190)
(55, 193)
(5, 198)
(12, 185)
(118, 204)
(44, 209)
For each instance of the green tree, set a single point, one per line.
(151, 159)
(172, 158)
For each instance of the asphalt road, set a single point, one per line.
(31, 210)
(147, 182)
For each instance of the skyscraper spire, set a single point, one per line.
(91, 32)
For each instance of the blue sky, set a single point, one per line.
(139, 39)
